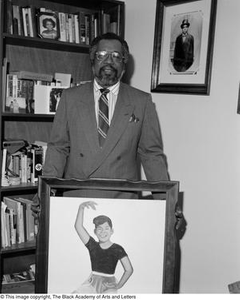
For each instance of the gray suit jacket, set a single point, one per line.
(74, 152)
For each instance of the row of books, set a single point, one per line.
(22, 164)
(33, 94)
(17, 221)
(79, 27)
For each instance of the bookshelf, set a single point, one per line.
(47, 56)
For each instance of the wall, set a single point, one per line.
(201, 139)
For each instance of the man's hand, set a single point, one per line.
(181, 223)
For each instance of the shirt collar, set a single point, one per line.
(113, 89)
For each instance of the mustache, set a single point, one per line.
(108, 66)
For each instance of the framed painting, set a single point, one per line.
(72, 243)
(48, 25)
(183, 46)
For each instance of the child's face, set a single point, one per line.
(103, 232)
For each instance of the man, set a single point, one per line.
(184, 49)
(80, 148)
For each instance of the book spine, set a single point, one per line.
(70, 27)
(24, 18)
(3, 227)
(32, 75)
(13, 226)
(62, 24)
(38, 163)
(82, 27)
(30, 21)
(76, 22)
(4, 160)
(16, 16)
(9, 11)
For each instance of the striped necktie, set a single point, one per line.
(103, 120)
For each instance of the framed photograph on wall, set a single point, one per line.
(183, 46)
(48, 25)
(144, 228)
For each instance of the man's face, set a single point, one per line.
(108, 71)
(185, 29)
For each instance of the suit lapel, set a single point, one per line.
(122, 113)
(86, 111)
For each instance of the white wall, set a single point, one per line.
(201, 136)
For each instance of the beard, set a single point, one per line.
(107, 76)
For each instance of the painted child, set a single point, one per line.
(104, 255)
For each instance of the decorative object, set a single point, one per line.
(48, 25)
(183, 46)
(140, 225)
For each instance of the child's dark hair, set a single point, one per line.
(99, 220)
(44, 22)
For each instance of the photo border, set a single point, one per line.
(168, 190)
(181, 83)
(41, 16)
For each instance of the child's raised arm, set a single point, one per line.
(82, 232)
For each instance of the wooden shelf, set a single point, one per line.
(27, 117)
(44, 43)
(18, 248)
(22, 287)
(19, 188)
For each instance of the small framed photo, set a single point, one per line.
(47, 98)
(183, 46)
(48, 25)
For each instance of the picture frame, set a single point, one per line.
(183, 46)
(156, 215)
(48, 25)
(47, 98)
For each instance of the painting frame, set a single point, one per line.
(188, 72)
(43, 30)
(168, 190)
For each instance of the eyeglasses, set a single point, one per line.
(116, 56)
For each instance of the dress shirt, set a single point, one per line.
(111, 96)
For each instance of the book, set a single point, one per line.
(62, 26)
(4, 163)
(88, 25)
(17, 21)
(46, 98)
(22, 74)
(24, 276)
(25, 18)
(43, 145)
(4, 238)
(9, 23)
(15, 102)
(38, 159)
(20, 93)
(70, 29)
(18, 212)
(76, 27)
(29, 224)
(4, 81)
(32, 24)
(14, 145)
(63, 78)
